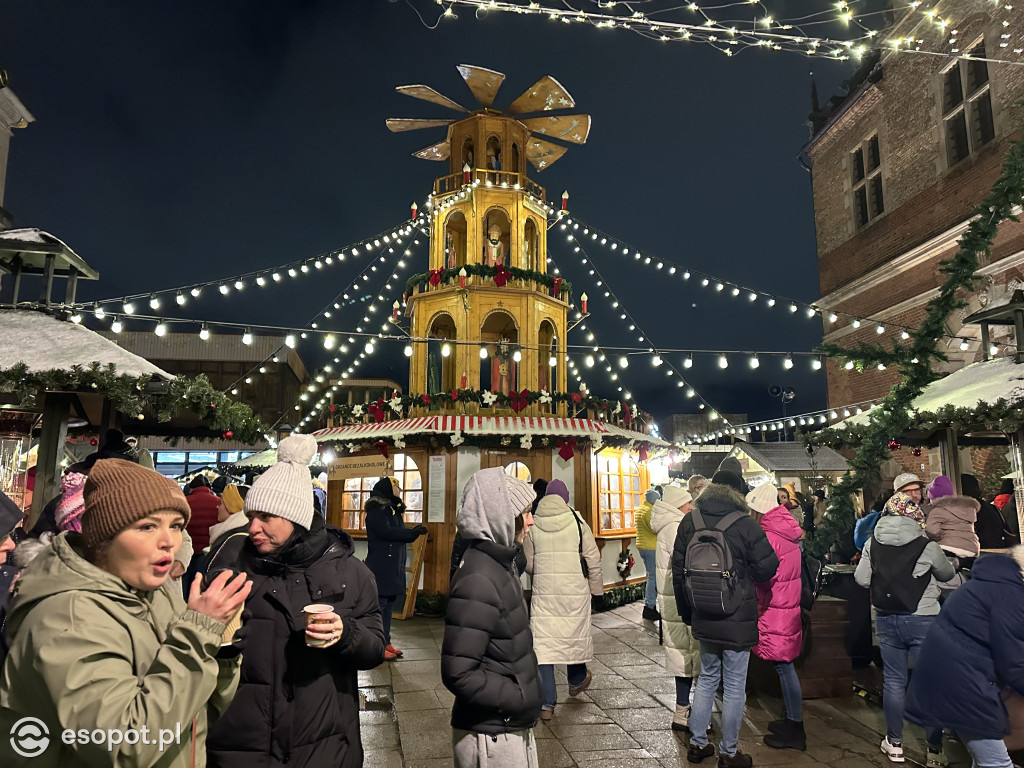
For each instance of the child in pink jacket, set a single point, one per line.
(779, 630)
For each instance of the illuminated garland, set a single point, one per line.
(499, 274)
(916, 357)
(222, 415)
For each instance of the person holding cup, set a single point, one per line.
(312, 620)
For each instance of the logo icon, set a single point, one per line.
(30, 737)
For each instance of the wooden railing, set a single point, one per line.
(454, 182)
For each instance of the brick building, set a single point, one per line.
(897, 165)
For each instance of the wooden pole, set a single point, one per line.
(51, 449)
(949, 450)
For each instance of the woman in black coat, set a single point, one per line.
(386, 537)
(296, 705)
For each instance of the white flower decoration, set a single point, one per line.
(352, 447)
(545, 396)
(489, 398)
(526, 442)
(457, 439)
(357, 410)
(396, 404)
(399, 441)
(618, 408)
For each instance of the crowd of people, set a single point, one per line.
(236, 615)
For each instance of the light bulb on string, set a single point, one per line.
(816, 364)
(247, 337)
(196, 290)
(788, 362)
(160, 329)
(964, 346)
(446, 350)
(656, 361)
(180, 298)
(688, 361)
(239, 285)
(128, 308)
(856, 323)
(723, 361)
(623, 362)
(369, 348)
(832, 317)
(99, 312)
(261, 280)
(224, 289)
(154, 301)
(408, 350)
(483, 353)
(754, 362)
(517, 356)
(204, 332)
(880, 329)
(589, 361)
(329, 341)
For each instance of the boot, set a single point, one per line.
(389, 648)
(650, 614)
(739, 760)
(790, 736)
(681, 719)
(775, 725)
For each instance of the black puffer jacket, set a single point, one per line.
(386, 537)
(753, 558)
(487, 657)
(297, 705)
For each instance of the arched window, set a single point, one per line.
(500, 371)
(545, 354)
(454, 241)
(467, 153)
(520, 470)
(441, 354)
(514, 165)
(531, 247)
(497, 238)
(358, 490)
(493, 158)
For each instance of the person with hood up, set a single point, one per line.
(990, 526)
(682, 651)
(971, 656)
(902, 569)
(386, 537)
(696, 485)
(100, 640)
(298, 701)
(950, 519)
(646, 542)
(560, 605)
(487, 658)
(779, 629)
(725, 641)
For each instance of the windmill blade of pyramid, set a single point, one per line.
(484, 83)
(439, 151)
(543, 153)
(543, 96)
(574, 128)
(426, 93)
(399, 124)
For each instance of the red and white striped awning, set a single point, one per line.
(377, 430)
(521, 425)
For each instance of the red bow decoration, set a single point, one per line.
(627, 413)
(502, 276)
(576, 397)
(556, 286)
(425, 399)
(382, 447)
(454, 395)
(377, 410)
(643, 452)
(331, 409)
(519, 400)
(229, 433)
(604, 405)
(566, 448)
(435, 277)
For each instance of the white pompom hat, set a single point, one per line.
(286, 489)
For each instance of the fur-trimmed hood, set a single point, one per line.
(717, 499)
(961, 507)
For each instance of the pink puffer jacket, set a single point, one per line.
(778, 600)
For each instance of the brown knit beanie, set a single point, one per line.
(119, 492)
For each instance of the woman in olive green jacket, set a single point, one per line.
(102, 646)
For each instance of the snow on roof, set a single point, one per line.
(988, 381)
(44, 343)
(792, 457)
(32, 235)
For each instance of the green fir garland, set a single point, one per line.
(451, 276)
(895, 415)
(128, 394)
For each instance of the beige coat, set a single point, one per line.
(682, 650)
(560, 606)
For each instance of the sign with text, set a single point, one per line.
(436, 484)
(360, 466)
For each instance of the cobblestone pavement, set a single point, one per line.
(623, 719)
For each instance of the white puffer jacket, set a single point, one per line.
(682, 650)
(560, 606)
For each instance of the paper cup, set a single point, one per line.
(311, 611)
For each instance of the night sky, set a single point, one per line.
(184, 142)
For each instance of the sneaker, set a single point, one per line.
(681, 719)
(389, 655)
(389, 648)
(695, 754)
(547, 714)
(651, 614)
(739, 760)
(936, 760)
(576, 690)
(893, 750)
(790, 736)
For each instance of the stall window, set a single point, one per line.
(619, 492)
(357, 491)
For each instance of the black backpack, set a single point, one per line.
(810, 580)
(712, 584)
(894, 588)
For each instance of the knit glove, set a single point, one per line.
(420, 530)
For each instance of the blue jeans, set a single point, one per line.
(729, 668)
(899, 639)
(683, 685)
(576, 673)
(385, 602)
(792, 694)
(987, 753)
(651, 593)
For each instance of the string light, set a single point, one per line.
(204, 332)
